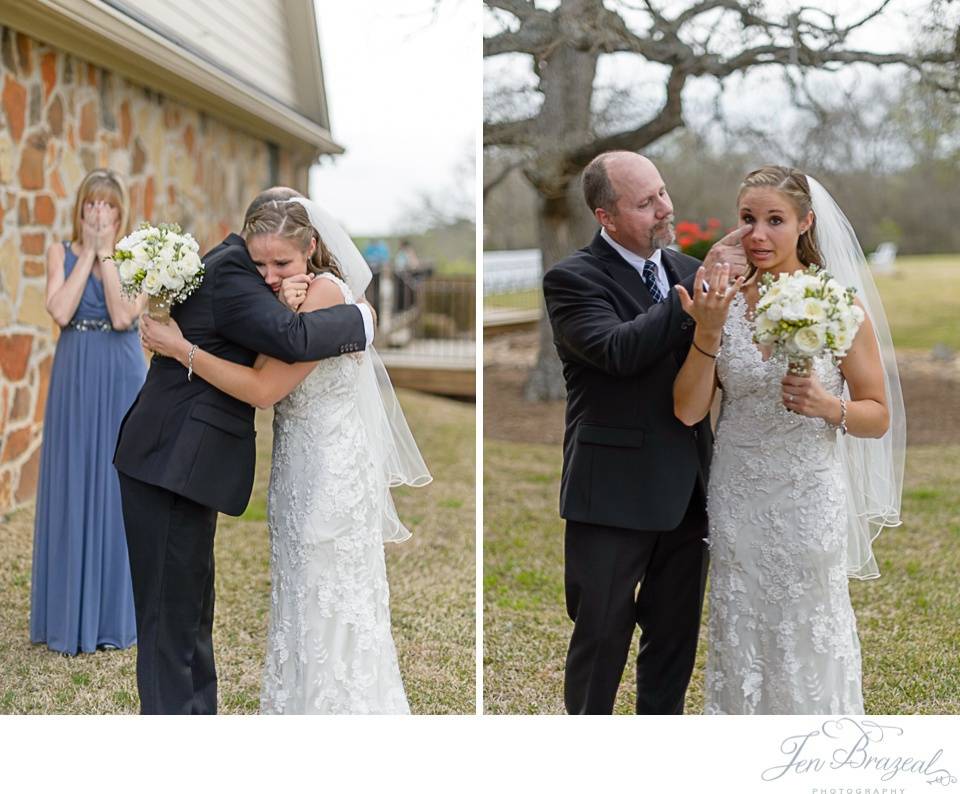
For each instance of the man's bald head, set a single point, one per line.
(629, 200)
(603, 173)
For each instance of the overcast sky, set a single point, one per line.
(403, 88)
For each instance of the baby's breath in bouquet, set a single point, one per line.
(161, 261)
(804, 314)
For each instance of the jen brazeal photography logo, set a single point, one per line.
(882, 757)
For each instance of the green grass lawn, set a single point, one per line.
(909, 618)
(431, 587)
(526, 299)
(922, 301)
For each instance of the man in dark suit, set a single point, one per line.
(633, 486)
(186, 451)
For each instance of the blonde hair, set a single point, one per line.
(793, 184)
(289, 220)
(102, 184)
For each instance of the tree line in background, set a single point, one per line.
(548, 119)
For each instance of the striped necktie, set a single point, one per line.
(650, 279)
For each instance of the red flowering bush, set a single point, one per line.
(696, 240)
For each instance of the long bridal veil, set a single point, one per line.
(873, 467)
(392, 443)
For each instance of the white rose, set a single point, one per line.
(167, 250)
(140, 255)
(128, 270)
(793, 310)
(190, 265)
(171, 280)
(813, 309)
(151, 283)
(842, 340)
(774, 313)
(765, 325)
(809, 340)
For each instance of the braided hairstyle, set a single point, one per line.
(289, 220)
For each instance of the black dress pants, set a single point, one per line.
(170, 543)
(603, 568)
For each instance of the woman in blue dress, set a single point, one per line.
(81, 598)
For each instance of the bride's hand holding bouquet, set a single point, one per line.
(801, 316)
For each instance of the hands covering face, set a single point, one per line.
(101, 222)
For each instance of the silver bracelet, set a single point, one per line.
(190, 364)
(843, 416)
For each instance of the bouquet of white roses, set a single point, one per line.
(162, 262)
(804, 314)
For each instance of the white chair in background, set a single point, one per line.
(883, 259)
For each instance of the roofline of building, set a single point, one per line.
(104, 33)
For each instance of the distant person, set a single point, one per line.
(377, 254)
(406, 257)
(81, 597)
(405, 265)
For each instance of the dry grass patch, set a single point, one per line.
(431, 583)
(908, 619)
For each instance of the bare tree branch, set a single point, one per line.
(667, 119)
(519, 132)
(747, 19)
(504, 172)
(509, 41)
(521, 9)
(563, 131)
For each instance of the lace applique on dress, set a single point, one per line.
(782, 635)
(329, 645)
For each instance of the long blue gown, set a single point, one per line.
(82, 596)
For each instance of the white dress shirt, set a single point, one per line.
(638, 262)
(368, 321)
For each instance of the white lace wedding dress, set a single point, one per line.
(782, 635)
(329, 646)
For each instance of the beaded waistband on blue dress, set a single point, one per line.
(99, 325)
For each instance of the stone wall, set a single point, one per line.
(59, 118)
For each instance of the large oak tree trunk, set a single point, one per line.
(565, 224)
(566, 80)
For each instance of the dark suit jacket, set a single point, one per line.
(627, 460)
(192, 439)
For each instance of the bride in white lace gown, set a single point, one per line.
(782, 635)
(329, 647)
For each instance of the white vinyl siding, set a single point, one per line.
(248, 38)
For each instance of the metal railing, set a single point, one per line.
(424, 315)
